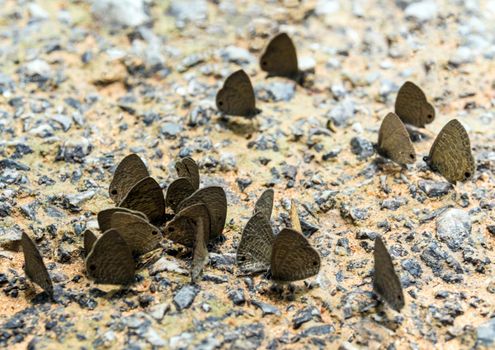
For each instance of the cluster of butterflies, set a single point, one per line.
(132, 229)
(450, 153)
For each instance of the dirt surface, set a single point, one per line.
(80, 91)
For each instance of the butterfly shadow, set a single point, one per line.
(239, 125)
(387, 166)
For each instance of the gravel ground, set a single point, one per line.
(83, 84)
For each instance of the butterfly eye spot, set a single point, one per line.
(171, 229)
(242, 258)
(429, 116)
(114, 191)
(154, 232)
(467, 174)
(92, 267)
(264, 63)
(220, 103)
(411, 156)
(315, 263)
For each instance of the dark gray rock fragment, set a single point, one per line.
(434, 188)
(362, 147)
(267, 309)
(184, 298)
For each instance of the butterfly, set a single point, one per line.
(110, 260)
(129, 172)
(104, 216)
(280, 58)
(141, 236)
(386, 283)
(216, 201)
(191, 228)
(177, 191)
(394, 142)
(34, 266)
(188, 169)
(412, 107)
(146, 196)
(450, 153)
(288, 255)
(89, 239)
(236, 97)
(264, 204)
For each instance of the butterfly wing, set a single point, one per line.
(141, 236)
(110, 261)
(104, 216)
(264, 204)
(189, 169)
(394, 142)
(451, 153)
(177, 191)
(182, 228)
(34, 266)
(89, 240)
(255, 249)
(280, 58)
(386, 283)
(293, 258)
(236, 97)
(147, 197)
(129, 172)
(412, 107)
(216, 201)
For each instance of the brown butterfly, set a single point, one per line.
(412, 107)
(264, 204)
(236, 97)
(129, 172)
(289, 255)
(386, 283)
(146, 197)
(141, 236)
(216, 201)
(451, 154)
(280, 58)
(188, 168)
(104, 217)
(89, 239)
(394, 142)
(177, 191)
(34, 266)
(110, 260)
(191, 227)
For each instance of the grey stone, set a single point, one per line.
(362, 147)
(228, 162)
(79, 198)
(394, 203)
(326, 7)
(120, 12)
(453, 227)
(63, 120)
(422, 11)
(237, 55)
(153, 338)
(184, 298)
(10, 236)
(276, 91)
(434, 188)
(342, 114)
(267, 309)
(170, 130)
(237, 296)
(486, 333)
(158, 311)
(305, 315)
(188, 10)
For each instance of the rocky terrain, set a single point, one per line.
(84, 84)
